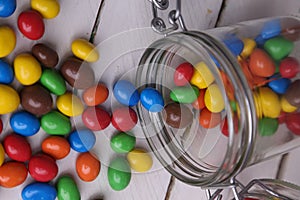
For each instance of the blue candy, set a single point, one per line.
(271, 29)
(280, 85)
(6, 72)
(152, 100)
(24, 123)
(82, 140)
(234, 44)
(37, 191)
(215, 61)
(7, 7)
(260, 41)
(126, 93)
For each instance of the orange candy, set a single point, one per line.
(199, 102)
(55, 146)
(95, 95)
(208, 119)
(87, 167)
(12, 174)
(261, 64)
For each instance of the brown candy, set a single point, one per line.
(77, 73)
(177, 115)
(36, 100)
(292, 94)
(45, 55)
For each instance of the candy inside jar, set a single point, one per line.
(231, 98)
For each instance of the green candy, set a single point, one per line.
(122, 142)
(67, 189)
(278, 47)
(267, 126)
(119, 174)
(55, 123)
(53, 81)
(184, 94)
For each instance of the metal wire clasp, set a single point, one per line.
(175, 18)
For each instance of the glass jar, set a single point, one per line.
(252, 111)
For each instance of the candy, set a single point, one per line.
(118, 174)
(39, 191)
(7, 41)
(6, 73)
(82, 140)
(199, 102)
(249, 46)
(12, 174)
(124, 119)
(126, 93)
(286, 106)
(177, 115)
(95, 118)
(67, 189)
(152, 100)
(267, 102)
(292, 94)
(53, 81)
(55, 123)
(139, 160)
(45, 55)
(85, 50)
(213, 99)
(292, 121)
(2, 154)
(271, 29)
(24, 123)
(87, 167)
(77, 73)
(36, 100)
(1, 127)
(278, 47)
(48, 8)
(261, 64)
(184, 94)
(289, 67)
(7, 7)
(69, 105)
(279, 85)
(122, 142)
(31, 24)
(27, 69)
(183, 74)
(42, 168)
(9, 100)
(17, 147)
(202, 76)
(208, 119)
(225, 128)
(267, 126)
(234, 44)
(95, 95)
(56, 146)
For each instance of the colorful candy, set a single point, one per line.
(1, 127)
(45, 55)
(17, 147)
(56, 146)
(279, 85)
(95, 95)
(48, 8)
(249, 46)
(42, 168)
(184, 94)
(7, 7)
(292, 121)
(289, 67)
(267, 126)
(225, 128)
(234, 44)
(202, 76)
(9, 100)
(87, 166)
(67, 189)
(2, 154)
(261, 64)
(139, 160)
(24, 123)
(286, 106)
(55, 123)
(12, 174)
(118, 174)
(122, 142)
(31, 24)
(37, 190)
(53, 81)
(183, 74)
(6, 73)
(85, 50)
(82, 140)
(152, 100)
(292, 94)
(278, 47)
(177, 115)
(271, 29)
(8, 41)
(69, 104)
(126, 93)
(213, 99)
(124, 118)
(95, 118)
(208, 119)
(199, 102)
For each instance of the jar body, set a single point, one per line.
(247, 74)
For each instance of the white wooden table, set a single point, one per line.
(122, 34)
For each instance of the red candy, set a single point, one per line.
(42, 167)
(289, 67)
(261, 64)
(95, 118)
(292, 121)
(12, 174)
(199, 102)
(31, 24)
(183, 74)
(95, 95)
(224, 126)
(208, 119)
(17, 147)
(124, 119)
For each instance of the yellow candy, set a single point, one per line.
(7, 41)
(269, 102)
(85, 50)
(286, 106)
(48, 8)
(202, 76)
(2, 154)
(27, 69)
(213, 99)
(139, 160)
(249, 46)
(69, 105)
(9, 99)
